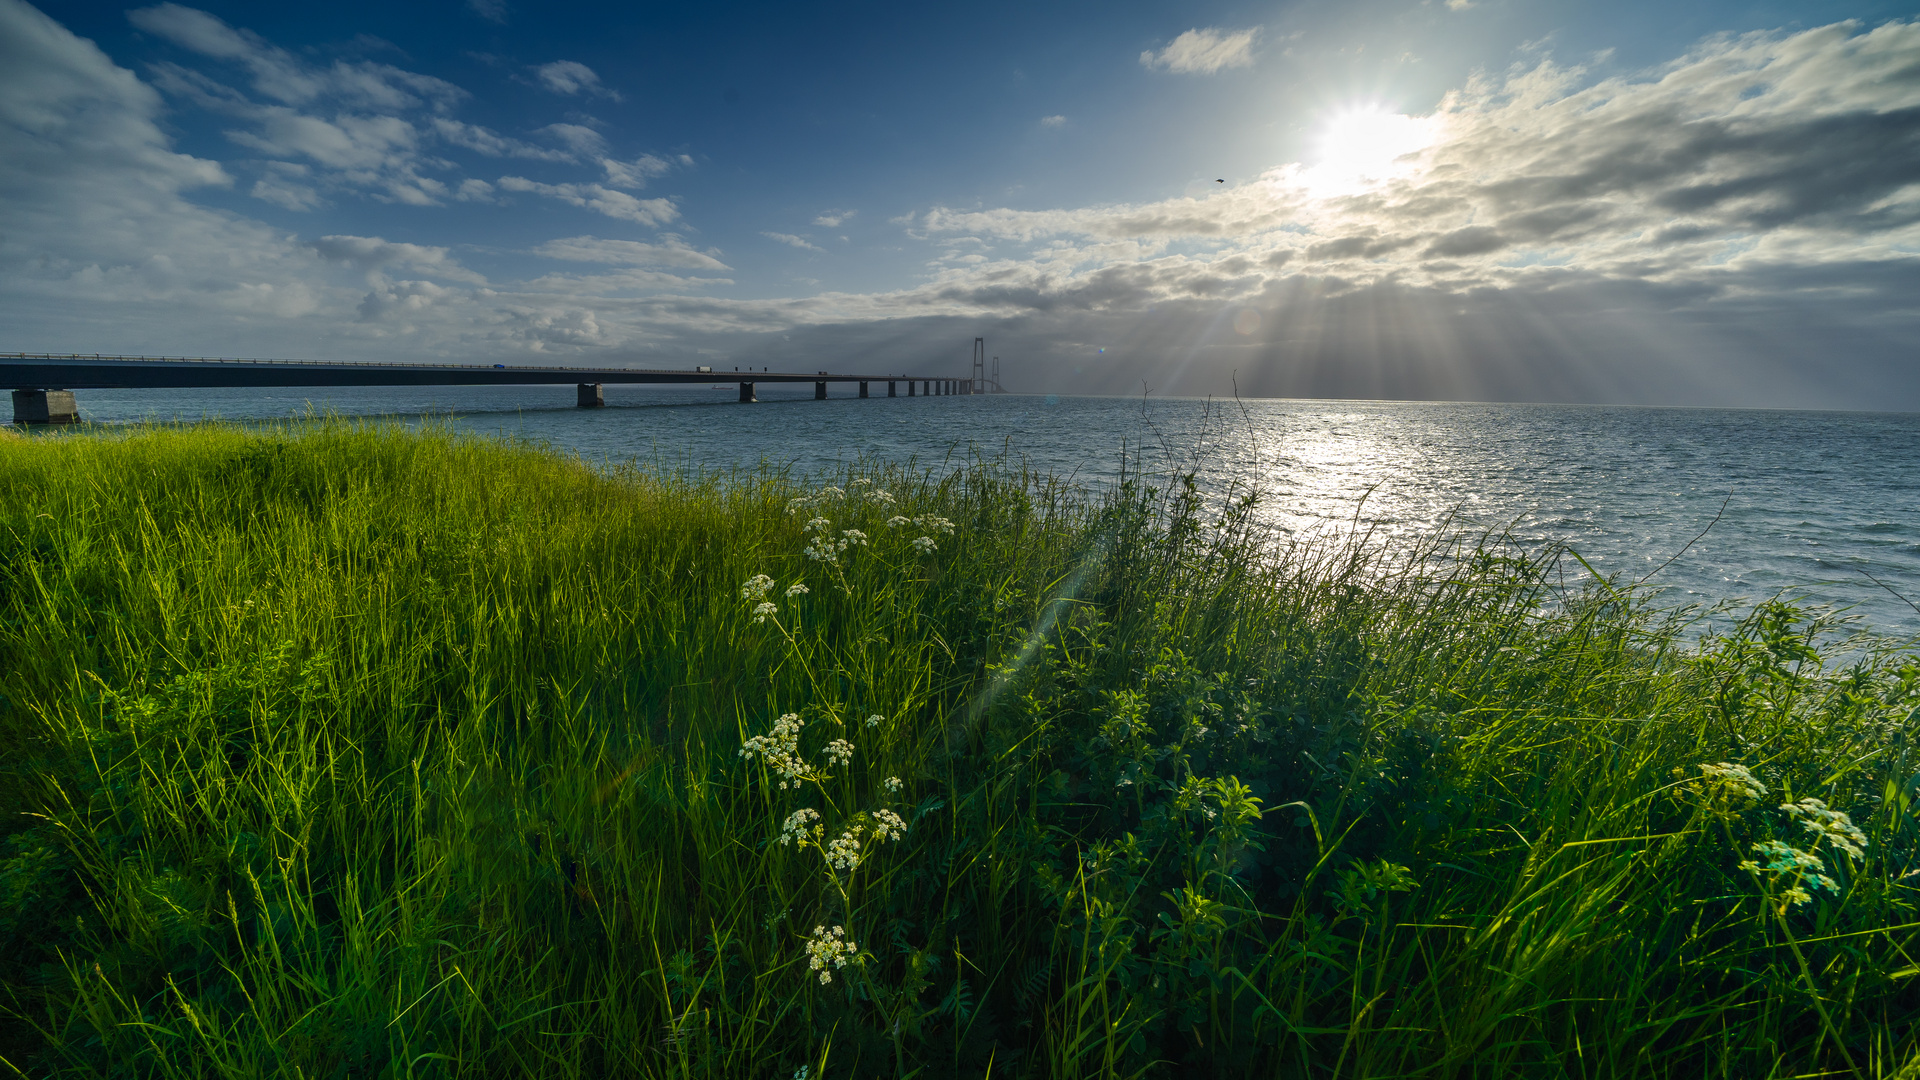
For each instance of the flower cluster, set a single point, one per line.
(1800, 866)
(893, 783)
(824, 548)
(844, 852)
(860, 488)
(829, 949)
(797, 589)
(887, 824)
(934, 523)
(755, 592)
(1724, 787)
(780, 749)
(839, 752)
(874, 720)
(863, 487)
(800, 825)
(1833, 826)
(924, 544)
(819, 498)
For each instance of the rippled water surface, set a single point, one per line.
(1814, 502)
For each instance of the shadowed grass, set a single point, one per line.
(342, 751)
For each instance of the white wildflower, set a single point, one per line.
(780, 749)
(1833, 826)
(887, 824)
(801, 1072)
(874, 720)
(880, 496)
(1797, 895)
(852, 536)
(1733, 780)
(893, 783)
(818, 524)
(764, 609)
(829, 949)
(1785, 858)
(823, 551)
(796, 589)
(935, 522)
(756, 587)
(896, 521)
(796, 830)
(860, 482)
(839, 752)
(844, 852)
(924, 545)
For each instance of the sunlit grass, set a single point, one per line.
(345, 751)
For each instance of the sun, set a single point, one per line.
(1363, 146)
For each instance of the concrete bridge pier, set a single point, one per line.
(746, 392)
(819, 391)
(45, 407)
(890, 389)
(863, 389)
(589, 395)
(910, 385)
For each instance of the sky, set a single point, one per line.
(1495, 200)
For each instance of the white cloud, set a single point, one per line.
(635, 173)
(582, 141)
(371, 253)
(791, 240)
(284, 77)
(671, 252)
(572, 77)
(1053, 121)
(96, 215)
(1204, 51)
(573, 286)
(833, 219)
(494, 11)
(360, 125)
(345, 118)
(493, 144)
(600, 199)
(284, 185)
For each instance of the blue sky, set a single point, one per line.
(1648, 203)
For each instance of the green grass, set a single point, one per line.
(340, 751)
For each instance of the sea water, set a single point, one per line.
(1822, 507)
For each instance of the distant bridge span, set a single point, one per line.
(43, 383)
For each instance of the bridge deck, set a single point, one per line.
(27, 371)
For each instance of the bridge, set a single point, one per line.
(43, 383)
